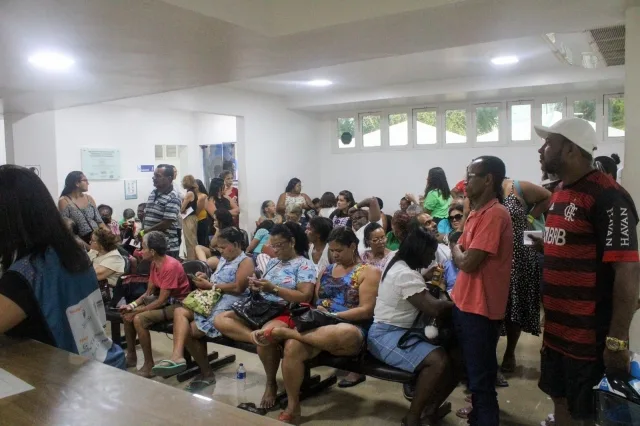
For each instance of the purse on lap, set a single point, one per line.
(202, 301)
(256, 311)
(444, 326)
(307, 319)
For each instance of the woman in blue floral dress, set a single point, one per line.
(232, 279)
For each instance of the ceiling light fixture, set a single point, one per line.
(51, 61)
(505, 60)
(320, 83)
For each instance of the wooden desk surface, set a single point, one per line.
(72, 390)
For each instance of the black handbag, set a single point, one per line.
(415, 334)
(256, 311)
(307, 319)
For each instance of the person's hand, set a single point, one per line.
(126, 308)
(617, 362)
(262, 285)
(201, 282)
(538, 243)
(411, 197)
(322, 309)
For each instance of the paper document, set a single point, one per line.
(186, 213)
(11, 385)
(528, 241)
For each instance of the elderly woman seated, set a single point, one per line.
(347, 289)
(290, 276)
(376, 254)
(232, 279)
(402, 296)
(168, 286)
(107, 260)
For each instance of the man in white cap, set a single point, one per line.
(591, 273)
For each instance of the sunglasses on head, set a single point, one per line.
(456, 217)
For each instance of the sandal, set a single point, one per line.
(266, 334)
(292, 419)
(463, 413)
(168, 368)
(199, 384)
(344, 383)
(251, 407)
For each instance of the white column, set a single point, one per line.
(631, 173)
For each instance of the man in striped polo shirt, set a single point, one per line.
(163, 207)
(591, 273)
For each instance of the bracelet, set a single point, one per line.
(141, 233)
(133, 305)
(531, 219)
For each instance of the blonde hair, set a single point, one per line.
(189, 182)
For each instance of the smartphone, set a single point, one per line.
(258, 275)
(193, 277)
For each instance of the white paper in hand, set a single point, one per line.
(186, 213)
(528, 241)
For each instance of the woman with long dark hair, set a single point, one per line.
(327, 204)
(402, 296)
(204, 220)
(39, 260)
(340, 215)
(80, 207)
(293, 196)
(195, 201)
(437, 195)
(217, 199)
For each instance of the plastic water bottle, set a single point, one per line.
(241, 381)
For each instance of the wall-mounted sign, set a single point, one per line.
(101, 164)
(146, 168)
(130, 189)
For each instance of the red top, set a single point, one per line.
(486, 290)
(171, 276)
(591, 224)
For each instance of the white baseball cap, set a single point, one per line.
(577, 130)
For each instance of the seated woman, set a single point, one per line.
(222, 219)
(107, 260)
(293, 196)
(106, 214)
(340, 215)
(399, 229)
(268, 212)
(402, 296)
(168, 286)
(260, 238)
(218, 200)
(289, 276)
(232, 278)
(452, 223)
(347, 289)
(318, 230)
(294, 214)
(48, 289)
(376, 254)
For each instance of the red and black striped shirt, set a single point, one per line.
(591, 224)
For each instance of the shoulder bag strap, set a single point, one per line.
(86, 219)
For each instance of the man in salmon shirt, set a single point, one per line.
(483, 255)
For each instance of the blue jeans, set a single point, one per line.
(478, 337)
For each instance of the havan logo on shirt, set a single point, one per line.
(618, 226)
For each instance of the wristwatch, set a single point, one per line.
(616, 345)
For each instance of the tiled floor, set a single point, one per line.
(374, 402)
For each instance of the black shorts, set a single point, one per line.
(572, 379)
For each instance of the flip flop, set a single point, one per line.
(291, 419)
(344, 383)
(266, 334)
(167, 368)
(251, 407)
(463, 413)
(199, 384)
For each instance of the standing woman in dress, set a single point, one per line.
(204, 220)
(523, 200)
(80, 207)
(293, 196)
(437, 195)
(231, 192)
(195, 200)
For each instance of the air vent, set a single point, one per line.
(610, 43)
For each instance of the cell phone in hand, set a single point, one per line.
(258, 274)
(193, 277)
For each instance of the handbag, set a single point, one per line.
(202, 301)
(444, 326)
(307, 319)
(256, 311)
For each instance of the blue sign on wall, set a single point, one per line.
(146, 168)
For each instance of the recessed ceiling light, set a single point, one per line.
(505, 60)
(51, 61)
(320, 83)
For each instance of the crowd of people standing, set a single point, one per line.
(369, 269)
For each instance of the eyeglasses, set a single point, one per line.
(472, 175)
(378, 240)
(455, 217)
(279, 246)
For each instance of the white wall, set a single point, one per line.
(134, 132)
(3, 154)
(389, 174)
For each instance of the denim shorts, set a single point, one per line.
(382, 343)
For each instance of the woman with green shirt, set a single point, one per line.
(437, 195)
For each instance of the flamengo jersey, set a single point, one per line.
(590, 225)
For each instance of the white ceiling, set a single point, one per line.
(127, 48)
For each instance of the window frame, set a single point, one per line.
(386, 133)
(414, 127)
(605, 119)
(442, 123)
(501, 119)
(384, 123)
(509, 135)
(599, 109)
(336, 148)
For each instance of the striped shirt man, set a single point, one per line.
(164, 206)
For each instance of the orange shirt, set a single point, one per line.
(486, 290)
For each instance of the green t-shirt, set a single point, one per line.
(436, 204)
(393, 243)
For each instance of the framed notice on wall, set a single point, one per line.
(101, 164)
(130, 189)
